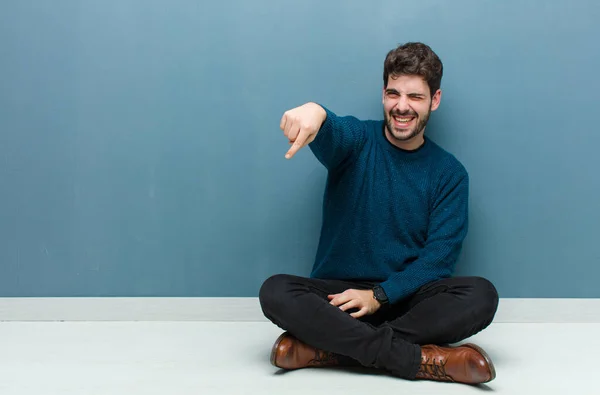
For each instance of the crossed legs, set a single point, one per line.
(442, 312)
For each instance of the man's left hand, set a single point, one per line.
(354, 298)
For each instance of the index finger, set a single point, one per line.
(299, 143)
(339, 300)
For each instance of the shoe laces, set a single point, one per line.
(323, 358)
(434, 369)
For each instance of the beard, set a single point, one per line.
(405, 135)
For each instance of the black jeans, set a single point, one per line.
(442, 312)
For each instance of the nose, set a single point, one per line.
(402, 104)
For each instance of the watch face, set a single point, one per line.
(380, 295)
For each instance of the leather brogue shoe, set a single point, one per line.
(290, 353)
(467, 364)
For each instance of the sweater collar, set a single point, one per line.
(407, 154)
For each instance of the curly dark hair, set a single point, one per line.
(414, 59)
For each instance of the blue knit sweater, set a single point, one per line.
(391, 216)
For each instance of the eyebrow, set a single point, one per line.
(410, 94)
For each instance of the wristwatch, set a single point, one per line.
(379, 295)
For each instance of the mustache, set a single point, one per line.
(405, 113)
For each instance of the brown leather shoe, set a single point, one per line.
(290, 353)
(467, 364)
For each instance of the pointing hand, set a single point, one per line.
(301, 125)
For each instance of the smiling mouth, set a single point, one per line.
(403, 121)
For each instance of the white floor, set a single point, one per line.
(201, 358)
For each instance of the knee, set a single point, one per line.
(485, 297)
(272, 292)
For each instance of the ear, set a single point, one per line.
(435, 100)
(383, 95)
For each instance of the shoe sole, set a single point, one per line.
(486, 357)
(275, 346)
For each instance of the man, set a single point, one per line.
(381, 293)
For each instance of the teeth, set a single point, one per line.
(402, 119)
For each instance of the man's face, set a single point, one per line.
(407, 104)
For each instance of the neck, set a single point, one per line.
(408, 145)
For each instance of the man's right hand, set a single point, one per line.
(301, 125)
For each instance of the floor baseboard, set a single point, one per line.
(510, 310)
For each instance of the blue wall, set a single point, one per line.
(140, 150)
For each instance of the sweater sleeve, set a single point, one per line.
(338, 139)
(447, 229)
